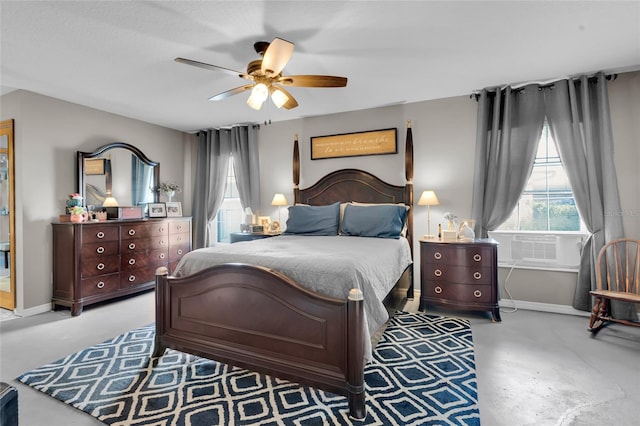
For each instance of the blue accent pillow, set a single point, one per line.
(381, 221)
(313, 220)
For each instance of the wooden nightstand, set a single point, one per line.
(460, 275)
(248, 236)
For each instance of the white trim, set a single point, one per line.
(542, 307)
(33, 311)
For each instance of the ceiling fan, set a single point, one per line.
(266, 76)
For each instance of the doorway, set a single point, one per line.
(7, 220)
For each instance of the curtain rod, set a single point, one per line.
(548, 83)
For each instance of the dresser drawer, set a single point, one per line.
(104, 248)
(146, 230)
(176, 251)
(102, 284)
(92, 234)
(457, 254)
(135, 277)
(459, 292)
(99, 266)
(458, 274)
(143, 245)
(179, 227)
(141, 260)
(178, 239)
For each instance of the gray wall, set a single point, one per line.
(444, 146)
(50, 131)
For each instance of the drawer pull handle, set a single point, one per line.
(437, 273)
(179, 239)
(160, 229)
(477, 257)
(477, 293)
(132, 232)
(132, 278)
(179, 251)
(132, 261)
(161, 255)
(100, 250)
(132, 246)
(477, 275)
(100, 234)
(438, 289)
(100, 284)
(179, 227)
(437, 255)
(100, 266)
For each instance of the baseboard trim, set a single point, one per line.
(33, 311)
(542, 307)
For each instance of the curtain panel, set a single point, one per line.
(577, 111)
(215, 149)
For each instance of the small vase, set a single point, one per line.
(170, 195)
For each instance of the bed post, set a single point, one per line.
(355, 355)
(161, 287)
(408, 170)
(296, 171)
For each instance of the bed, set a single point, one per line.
(255, 317)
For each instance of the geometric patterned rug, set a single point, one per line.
(423, 373)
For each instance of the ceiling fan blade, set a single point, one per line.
(313, 81)
(291, 102)
(276, 56)
(212, 67)
(224, 95)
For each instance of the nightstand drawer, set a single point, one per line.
(458, 274)
(459, 292)
(457, 254)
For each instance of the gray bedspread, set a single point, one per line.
(327, 265)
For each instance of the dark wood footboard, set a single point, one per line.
(258, 319)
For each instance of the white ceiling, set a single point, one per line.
(118, 56)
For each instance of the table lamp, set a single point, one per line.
(428, 198)
(279, 200)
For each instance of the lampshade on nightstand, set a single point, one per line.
(279, 200)
(428, 198)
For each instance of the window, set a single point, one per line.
(547, 203)
(229, 215)
(545, 229)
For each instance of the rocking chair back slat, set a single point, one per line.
(618, 278)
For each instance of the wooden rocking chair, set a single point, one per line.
(618, 278)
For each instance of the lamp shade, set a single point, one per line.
(279, 200)
(428, 198)
(110, 202)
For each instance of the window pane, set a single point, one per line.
(547, 202)
(229, 215)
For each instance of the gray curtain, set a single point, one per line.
(214, 149)
(580, 122)
(509, 125)
(244, 149)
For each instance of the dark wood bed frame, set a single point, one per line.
(258, 319)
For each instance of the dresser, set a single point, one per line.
(98, 261)
(460, 275)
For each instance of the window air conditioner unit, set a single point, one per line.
(535, 248)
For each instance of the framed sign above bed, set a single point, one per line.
(374, 142)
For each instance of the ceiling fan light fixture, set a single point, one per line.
(278, 97)
(260, 92)
(254, 103)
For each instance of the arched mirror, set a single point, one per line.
(117, 174)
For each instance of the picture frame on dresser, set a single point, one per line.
(174, 208)
(157, 210)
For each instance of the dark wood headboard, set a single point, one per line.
(347, 185)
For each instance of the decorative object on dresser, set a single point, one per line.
(97, 261)
(428, 198)
(157, 210)
(460, 275)
(174, 209)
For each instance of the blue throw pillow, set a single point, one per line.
(313, 220)
(381, 221)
